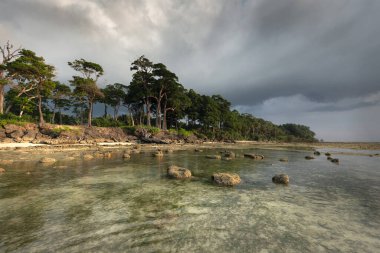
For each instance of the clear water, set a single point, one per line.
(130, 206)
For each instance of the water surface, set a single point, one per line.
(130, 206)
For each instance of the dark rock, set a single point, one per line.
(226, 179)
(229, 154)
(317, 153)
(178, 172)
(327, 154)
(334, 160)
(254, 156)
(329, 158)
(280, 179)
(309, 157)
(283, 159)
(218, 157)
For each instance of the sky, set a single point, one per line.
(308, 62)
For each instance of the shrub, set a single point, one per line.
(10, 118)
(106, 122)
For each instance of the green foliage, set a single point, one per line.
(107, 122)
(10, 118)
(60, 129)
(299, 132)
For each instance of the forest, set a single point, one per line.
(29, 92)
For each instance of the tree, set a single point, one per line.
(86, 84)
(165, 82)
(60, 99)
(8, 53)
(34, 75)
(141, 83)
(114, 95)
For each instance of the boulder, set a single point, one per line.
(254, 156)
(178, 172)
(30, 135)
(283, 160)
(126, 155)
(280, 179)
(169, 150)
(329, 158)
(317, 153)
(88, 157)
(158, 153)
(47, 160)
(229, 154)
(327, 154)
(198, 150)
(218, 157)
(335, 160)
(308, 157)
(2, 170)
(226, 179)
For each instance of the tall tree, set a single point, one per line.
(60, 99)
(8, 53)
(114, 95)
(142, 80)
(32, 71)
(165, 82)
(86, 84)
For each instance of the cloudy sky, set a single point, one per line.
(305, 61)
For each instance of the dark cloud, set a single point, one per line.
(252, 52)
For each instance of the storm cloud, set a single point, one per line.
(302, 61)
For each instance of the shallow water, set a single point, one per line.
(130, 206)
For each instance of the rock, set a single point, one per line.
(107, 155)
(309, 157)
(158, 154)
(70, 158)
(327, 154)
(329, 158)
(6, 162)
(254, 156)
(126, 155)
(169, 150)
(283, 159)
(317, 153)
(178, 172)
(229, 154)
(88, 157)
(280, 179)
(2, 170)
(226, 179)
(98, 155)
(136, 151)
(198, 150)
(227, 158)
(335, 160)
(47, 160)
(61, 167)
(218, 157)
(30, 135)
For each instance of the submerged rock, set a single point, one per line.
(327, 154)
(6, 162)
(329, 158)
(280, 179)
(169, 150)
(309, 157)
(178, 172)
(88, 157)
(334, 160)
(229, 154)
(226, 179)
(2, 170)
(218, 157)
(198, 150)
(158, 153)
(283, 159)
(47, 160)
(126, 155)
(254, 156)
(317, 153)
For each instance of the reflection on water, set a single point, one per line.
(130, 206)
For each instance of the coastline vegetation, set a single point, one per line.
(154, 100)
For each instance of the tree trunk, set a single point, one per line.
(60, 116)
(105, 111)
(90, 103)
(148, 112)
(40, 109)
(158, 116)
(132, 121)
(1, 98)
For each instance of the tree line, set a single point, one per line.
(154, 98)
